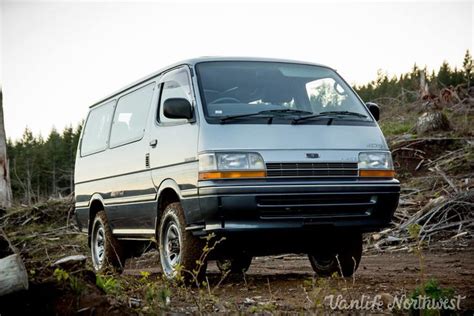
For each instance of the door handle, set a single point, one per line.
(153, 143)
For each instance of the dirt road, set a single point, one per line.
(287, 283)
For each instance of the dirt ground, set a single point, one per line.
(287, 283)
(273, 284)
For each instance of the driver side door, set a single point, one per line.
(173, 152)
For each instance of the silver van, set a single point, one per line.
(276, 156)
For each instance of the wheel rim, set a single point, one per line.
(98, 246)
(171, 248)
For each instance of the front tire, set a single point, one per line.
(107, 253)
(343, 258)
(179, 249)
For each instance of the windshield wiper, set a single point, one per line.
(349, 113)
(269, 113)
(326, 114)
(289, 111)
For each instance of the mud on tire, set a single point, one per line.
(179, 247)
(107, 252)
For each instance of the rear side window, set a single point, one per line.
(130, 116)
(96, 131)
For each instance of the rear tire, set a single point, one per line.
(239, 263)
(179, 247)
(106, 251)
(343, 258)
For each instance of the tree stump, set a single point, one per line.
(432, 122)
(13, 275)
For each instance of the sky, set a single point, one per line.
(58, 58)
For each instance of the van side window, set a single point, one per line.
(130, 116)
(176, 84)
(96, 131)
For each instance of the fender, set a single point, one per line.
(168, 184)
(96, 197)
(190, 204)
(83, 211)
(83, 215)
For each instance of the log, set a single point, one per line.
(13, 275)
(71, 262)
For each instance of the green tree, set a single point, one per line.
(53, 145)
(23, 164)
(43, 168)
(406, 86)
(468, 68)
(444, 74)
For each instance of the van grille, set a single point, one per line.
(317, 169)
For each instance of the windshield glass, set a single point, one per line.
(238, 88)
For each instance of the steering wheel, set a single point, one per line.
(225, 100)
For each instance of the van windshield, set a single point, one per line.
(252, 90)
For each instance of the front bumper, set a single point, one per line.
(259, 206)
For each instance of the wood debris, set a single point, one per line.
(437, 194)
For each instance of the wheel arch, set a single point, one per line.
(168, 192)
(96, 205)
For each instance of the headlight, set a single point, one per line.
(231, 165)
(376, 164)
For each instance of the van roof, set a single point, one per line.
(193, 61)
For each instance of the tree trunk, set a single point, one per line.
(54, 179)
(28, 183)
(5, 185)
(71, 182)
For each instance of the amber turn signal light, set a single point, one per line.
(377, 173)
(211, 175)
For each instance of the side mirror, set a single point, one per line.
(374, 110)
(177, 108)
